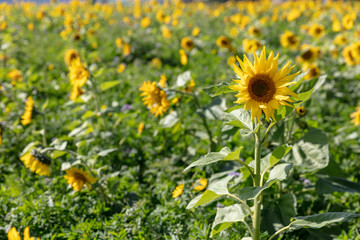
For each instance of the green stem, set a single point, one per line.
(242, 202)
(267, 130)
(278, 232)
(257, 201)
(291, 129)
(248, 227)
(43, 126)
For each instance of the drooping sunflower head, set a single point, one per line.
(71, 55)
(223, 42)
(37, 163)
(262, 88)
(78, 178)
(154, 98)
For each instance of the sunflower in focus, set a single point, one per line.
(13, 234)
(37, 163)
(78, 178)
(356, 117)
(78, 73)
(71, 55)
(187, 43)
(261, 87)
(289, 39)
(178, 191)
(223, 42)
(26, 117)
(154, 98)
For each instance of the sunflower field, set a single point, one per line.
(180, 120)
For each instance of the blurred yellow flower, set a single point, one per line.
(314, 71)
(336, 25)
(309, 54)
(26, 117)
(349, 55)
(166, 32)
(141, 127)
(154, 98)
(201, 184)
(340, 40)
(145, 22)
(190, 87)
(231, 60)
(76, 92)
(356, 117)
(261, 87)
(78, 178)
(36, 164)
(251, 45)
(156, 62)
(178, 191)
(293, 14)
(78, 73)
(187, 43)
(223, 42)
(15, 76)
(317, 30)
(301, 111)
(255, 31)
(196, 31)
(289, 39)
(119, 42)
(14, 235)
(71, 55)
(348, 21)
(121, 68)
(126, 49)
(30, 26)
(162, 80)
(183, 57)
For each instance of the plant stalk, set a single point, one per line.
(257, 201)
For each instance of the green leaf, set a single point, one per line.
(225, 154)
(312, 151)
(321, 220)
(278, 154)
(218, 89)
(215, 110)
(106, 152)
(239, 118)
(282, 112)
(302, 97)
(279, 172)
(226, 216)
(215, 190)
(107, 85)
(336, 184)
(170, 120)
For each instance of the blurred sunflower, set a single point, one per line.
(126, 49)
(201, 184)
(340, 40)
(154, 98)
(356, 117)
(37, 163)
(317, 30)
(309, 54)
(196, 31)
(349, 56)
(251, 45)
(78, 178)
(183, 57)
(187, 43)
(261, 87)
(141, 127)
(254, 31)
(15, 76)
(301, 111)
(13, 234)
(314, 71)
(178, 191)
(289, 39)
(145, 22)
(26, 117)
(121, 68)
(78, 73)
(223, 42)
(71, 55)
(348, 21)
(76, 92)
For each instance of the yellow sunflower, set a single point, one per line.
(301, 111)
(187, 43)
(348, 21)
(183, 57)
(154, 98)
(340, 40)
(76, 92)
(254, 31)
(78, 73)
(289, 39)
(78, 178)
(309, 54)
(15, 75)
(223, 42)
(178, 191)
(261, 87)
(37, 163)
(14, 235)
(26, 117)
(314, 71)
(356, 117)
(71, 55)
(201, 184)
(317, 30)
(251, 45)
(349, 56)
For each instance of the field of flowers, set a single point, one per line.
(235, 120)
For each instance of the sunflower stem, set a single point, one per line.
(257, 183)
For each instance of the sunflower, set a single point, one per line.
(71, 55)
(349, 55)
(14, 235)
(178, 191)
(141, 127)
(76, 92)
(78, 178)
(26, 117)
(37, 163)
(187, 43)
(183, 57)
(301, 111)
(289, 39)
(340, 40)
(223, 42)
(119, 42)
(309, 54)
(348, 21)
(336, 25)
(154, 98)
(201, 184)
(78, 73)
(251, 45)
(317, 30)
(145, 22)
(196, 31)
(314, 71)
(166, 32)
(356, 117)
(126, 49)
(254, 31)
(15, 75)
(261, 87)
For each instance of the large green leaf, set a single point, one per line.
(312, 151)
(225, 154)
(107, 85)
(272, 158)
(239, 118)
(218, 89)
(336, 184)
(279, 172)
(215, 190)
(226, 216)
(321, 220)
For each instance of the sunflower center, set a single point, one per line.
(80, 177)
(262, 88)
(307, 55)
(224, 42)
(292, 39)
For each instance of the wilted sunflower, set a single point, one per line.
(78, 73)
(356, 117)
(14, 235)
(26, 117)
(261, 87)
(178, 191)
(71, 55)
(37, 163)
(187, 43)
(289, 39)
(78, 178)
(223, 42)
(154, 98)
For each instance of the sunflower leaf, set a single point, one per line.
(239, 118)
(220, 88)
